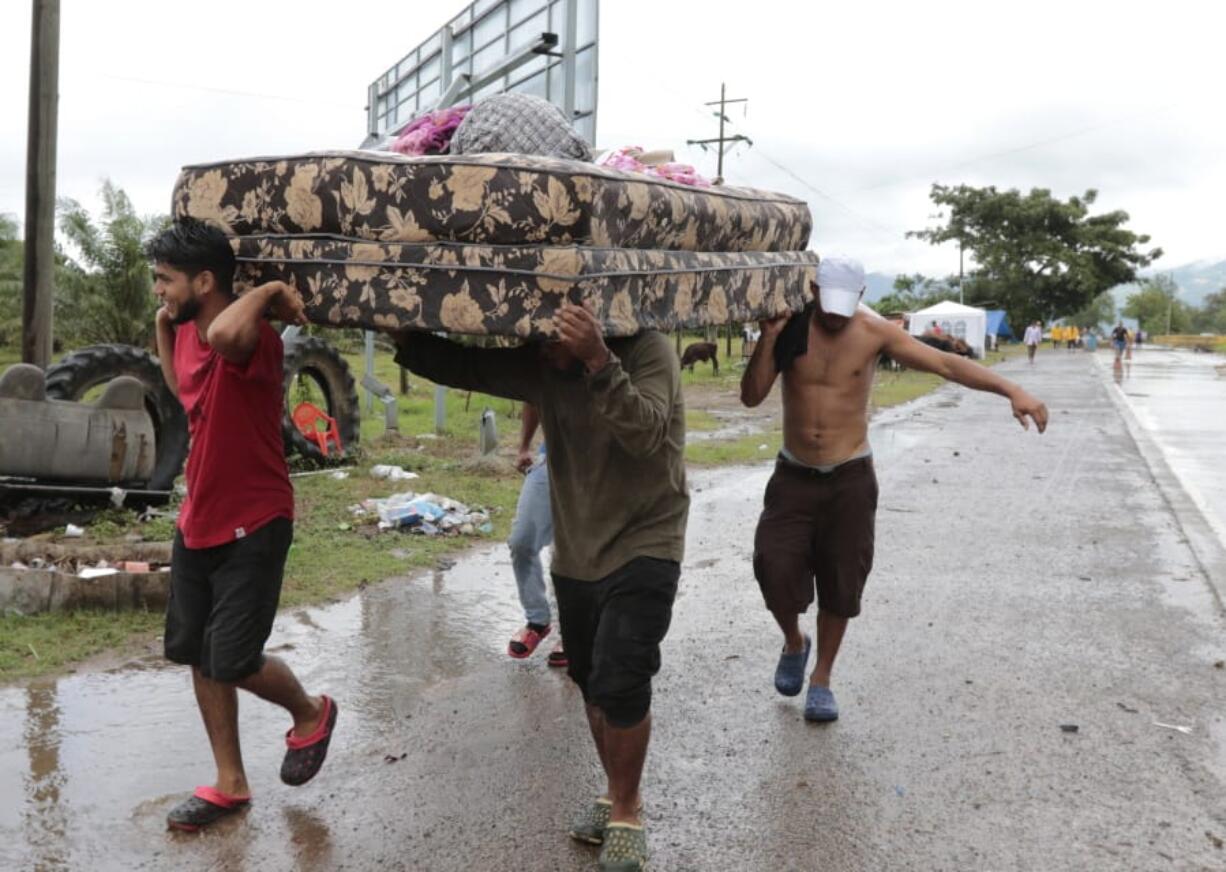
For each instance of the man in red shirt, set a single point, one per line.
(223, 360)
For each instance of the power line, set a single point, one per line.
(893, 233)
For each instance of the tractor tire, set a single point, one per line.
(83, 370)
(307, 357)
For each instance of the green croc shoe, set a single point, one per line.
(590, 825)
(625, 849)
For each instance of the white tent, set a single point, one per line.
(962, 322)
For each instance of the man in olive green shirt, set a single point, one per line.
(614, 421)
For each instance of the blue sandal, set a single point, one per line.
(790, 673)
(820, 706)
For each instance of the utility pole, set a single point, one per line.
(720, 143)
(39, 268)
(960, 294)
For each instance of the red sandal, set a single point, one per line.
(304, 755)
(206, 806)
(524, 642)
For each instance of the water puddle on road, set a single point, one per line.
(1179, 398)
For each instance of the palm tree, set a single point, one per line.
(106, 292)
(10, 285)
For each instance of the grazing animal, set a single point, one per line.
(698, 352)
(942, 343)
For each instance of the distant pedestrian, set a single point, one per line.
(1057, 336)
(1071, 336)
(1119, 339)
(1034, 335)
(1140, 338)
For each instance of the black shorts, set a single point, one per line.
(612, 630)
(816, 532)
(223, 601)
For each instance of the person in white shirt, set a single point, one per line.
(1034, 335)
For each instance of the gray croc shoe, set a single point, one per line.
(820, 706)
(590, 825)
(625, 849)
(790, 673)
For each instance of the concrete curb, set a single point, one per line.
(34, 591)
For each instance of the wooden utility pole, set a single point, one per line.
(720, 143)
(39, 268)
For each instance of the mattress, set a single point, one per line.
(479, 289)
(499, 199)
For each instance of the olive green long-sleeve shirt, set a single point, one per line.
(616, 442)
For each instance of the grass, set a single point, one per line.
(729, 452)
(895, 388)
(1189, 340)
(38, 644)
(333, 553)
(700, 420)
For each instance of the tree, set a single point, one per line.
(1101, 310)
(1156, 305)
(913, 292)
(1036, 256)
(107, 295)
(11, 259)
(1211, 316)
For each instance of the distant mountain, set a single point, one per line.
(1196, 281)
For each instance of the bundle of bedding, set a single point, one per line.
(492, 243)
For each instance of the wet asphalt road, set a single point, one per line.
(1021, 583)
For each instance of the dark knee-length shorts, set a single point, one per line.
(816, 534)
(223, 601)
(612, 630)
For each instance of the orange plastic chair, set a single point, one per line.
(315, 424)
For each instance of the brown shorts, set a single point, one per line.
(816, 531)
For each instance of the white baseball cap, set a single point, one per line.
(840, 282)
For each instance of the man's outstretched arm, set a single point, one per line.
(912, 353)
(513, 373)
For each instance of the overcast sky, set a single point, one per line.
(857, 107)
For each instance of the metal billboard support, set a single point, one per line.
(387, 95)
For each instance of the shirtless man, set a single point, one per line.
(817, 525)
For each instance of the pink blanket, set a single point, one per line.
(627, 158)
(431, 133)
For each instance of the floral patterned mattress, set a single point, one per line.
(514, 290)
(501, 199)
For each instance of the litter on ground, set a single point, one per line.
(429, 514)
